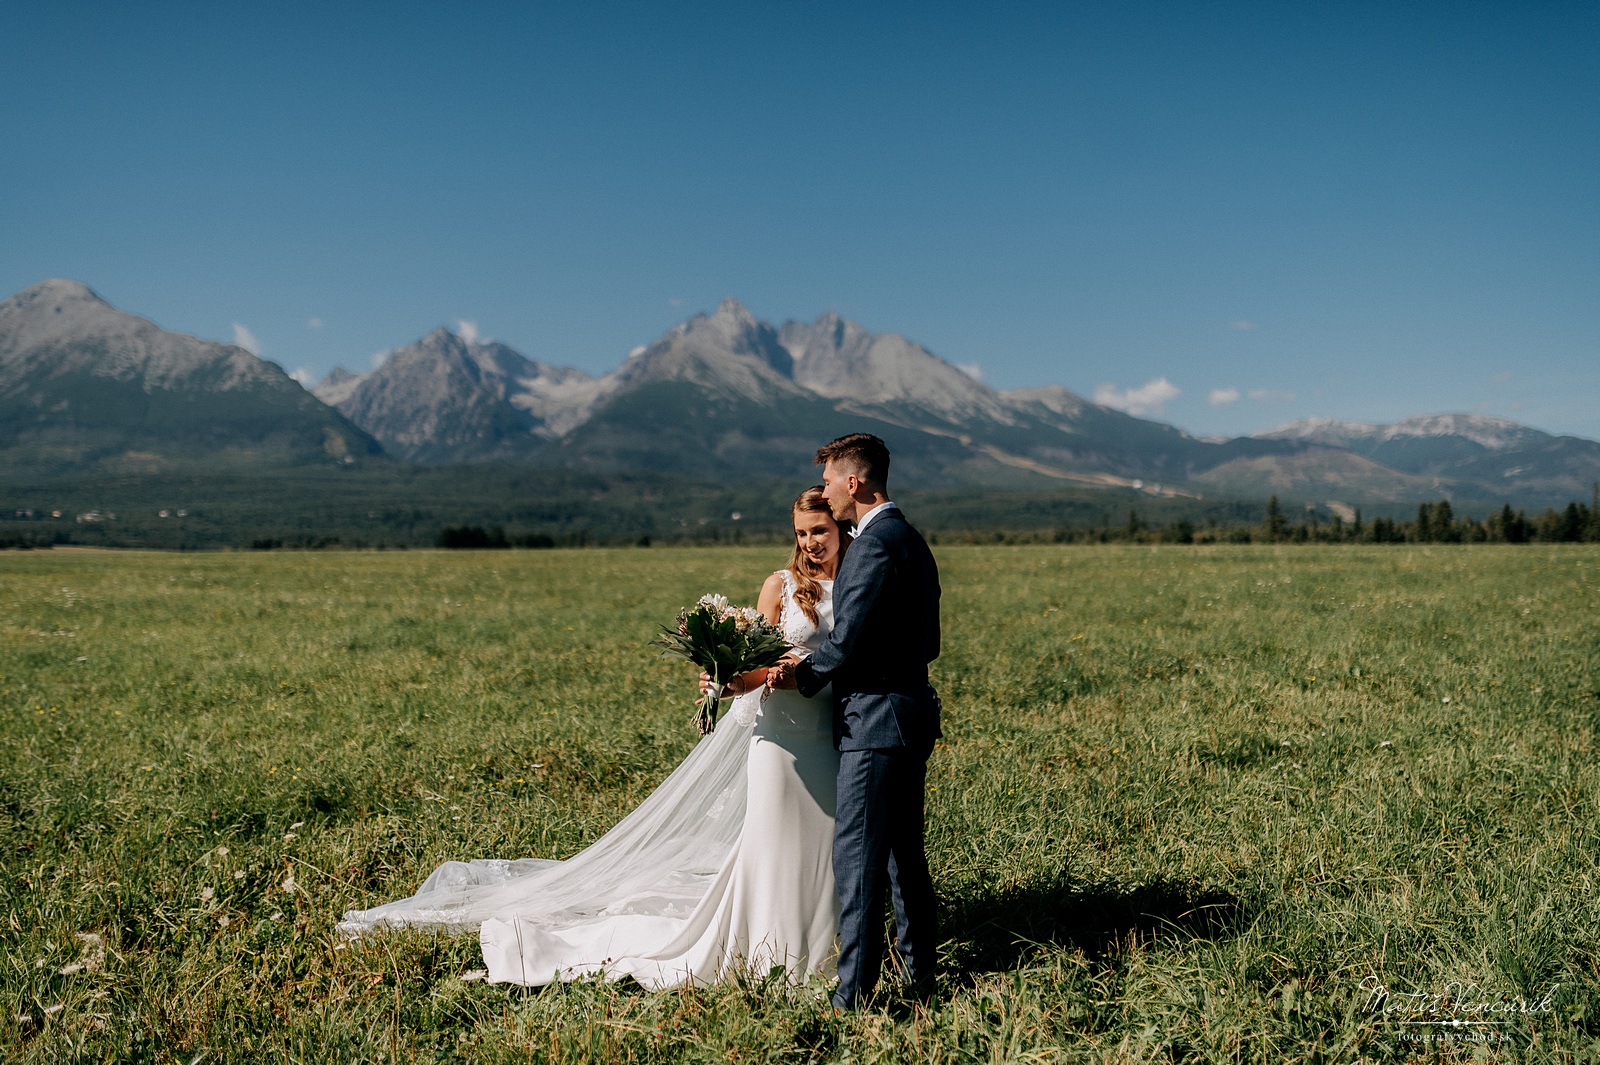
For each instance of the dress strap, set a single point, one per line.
(787, 606)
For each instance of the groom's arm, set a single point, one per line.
(853, 599)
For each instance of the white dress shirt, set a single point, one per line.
(861, 520)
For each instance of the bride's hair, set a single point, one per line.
(808, 593)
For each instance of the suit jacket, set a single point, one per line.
(885, 632)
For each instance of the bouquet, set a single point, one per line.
(725, 641)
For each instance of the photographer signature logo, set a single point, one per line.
(1457, 1011)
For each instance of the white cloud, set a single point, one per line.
(971, 369)
(1502, 377)
(467, 330)
(1223, 397)
(305, 377)
(1151, 397)
(1272, 395)
(313, 323)
(1243, 325)
(380, 357)
(245, 339)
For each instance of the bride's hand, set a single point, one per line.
(740, 684)
(781, 676)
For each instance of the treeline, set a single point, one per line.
(476, 537)
(23, 541)
(499, 508)
(1435, 523)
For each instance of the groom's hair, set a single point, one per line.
(861, 454)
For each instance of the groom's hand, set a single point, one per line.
(781, 676)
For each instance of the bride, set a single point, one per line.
(726, 867)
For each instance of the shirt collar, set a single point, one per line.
(863, 519)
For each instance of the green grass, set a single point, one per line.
(1192, 804)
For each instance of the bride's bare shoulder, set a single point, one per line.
(770, 602)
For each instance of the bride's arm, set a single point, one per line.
(770, 601)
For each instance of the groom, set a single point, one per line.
(885, 719)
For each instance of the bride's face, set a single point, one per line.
(817, 535)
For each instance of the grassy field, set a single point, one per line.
(1193, 803)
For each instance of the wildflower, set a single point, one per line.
(713, 601)
(206, 894)
(288, 884)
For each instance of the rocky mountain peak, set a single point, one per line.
(1052, 398)
(731, 309)
(57, 310)
(64, 327)
(57, 290)
(838, 332)
(734, 328)
(448, 398)
(337, 386)
(731, 350)
(836, 358)
(1484, 430)
(73, 365)
(439, 342)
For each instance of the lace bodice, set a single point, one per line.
(793, 623)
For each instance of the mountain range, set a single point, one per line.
(720, 396)
(84, 385)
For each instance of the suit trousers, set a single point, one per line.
(878, 842)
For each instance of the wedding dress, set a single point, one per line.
(726, 867)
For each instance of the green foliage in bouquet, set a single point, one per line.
(725, 641)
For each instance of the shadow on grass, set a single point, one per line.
(995, 931)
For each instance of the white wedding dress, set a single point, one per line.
(726, 867)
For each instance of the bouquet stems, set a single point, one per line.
(706, 718)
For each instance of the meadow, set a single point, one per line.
(1193, 803)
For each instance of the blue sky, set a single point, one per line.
(1222, 215)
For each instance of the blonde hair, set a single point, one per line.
(807, 574)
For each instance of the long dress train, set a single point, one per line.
(727, 866)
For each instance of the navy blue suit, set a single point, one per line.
(885, 720)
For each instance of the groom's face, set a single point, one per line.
(836, 490)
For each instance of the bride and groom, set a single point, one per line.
(773, 844)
